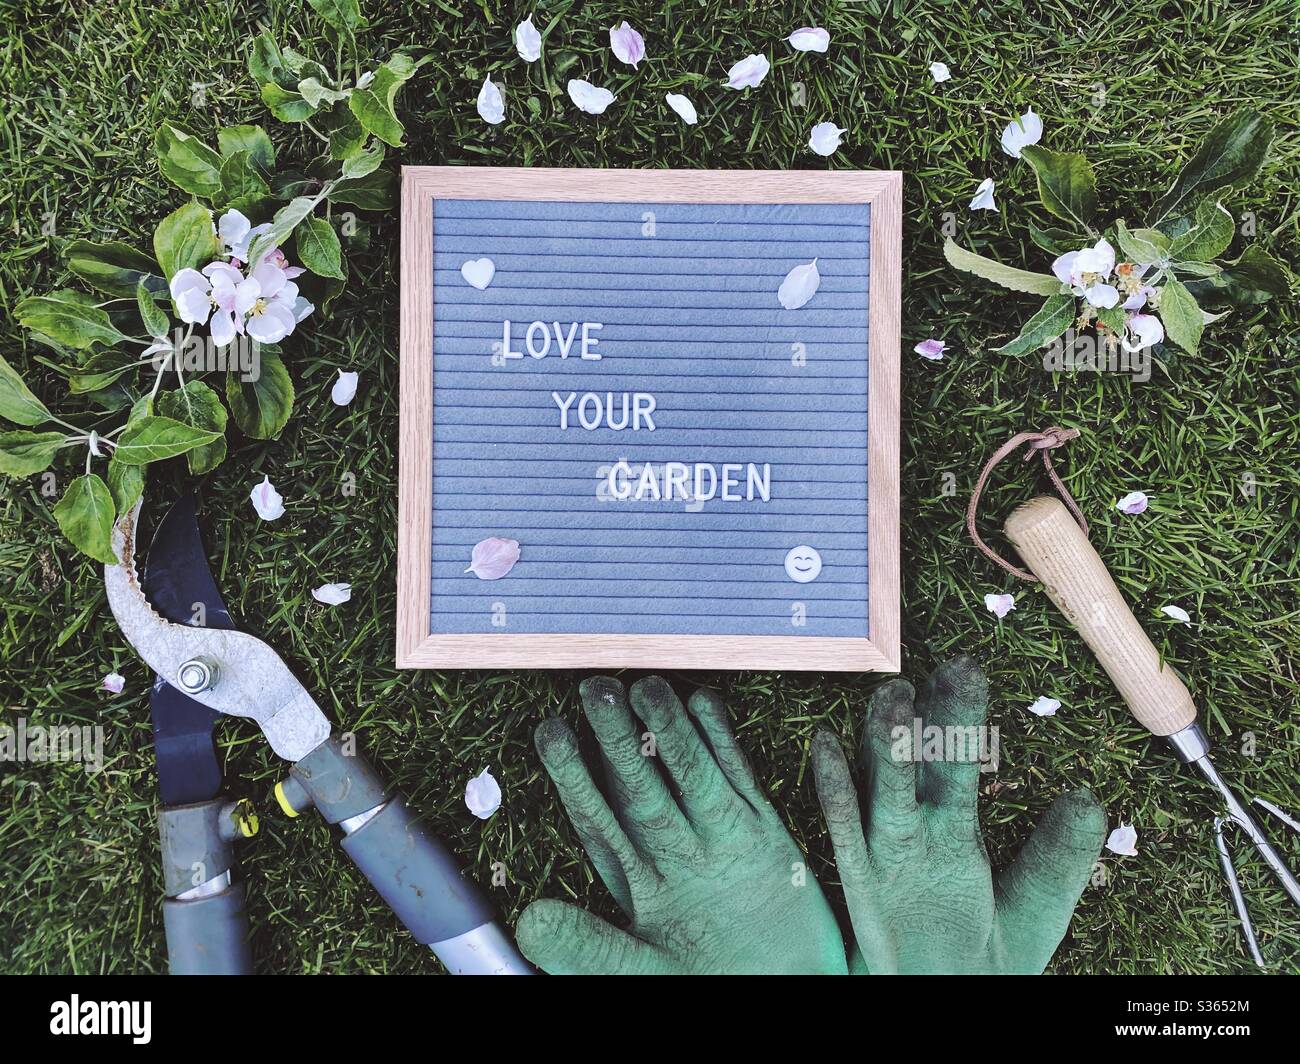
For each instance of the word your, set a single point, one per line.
(132, 1018)
(1083, 353)
(673, 480)
(593, 410)
(57, 742)
(971, 745)
(537, 340)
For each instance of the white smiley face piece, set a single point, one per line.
(803, 564)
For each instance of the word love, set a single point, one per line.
(538, 336)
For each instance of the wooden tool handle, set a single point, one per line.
(1056, 549)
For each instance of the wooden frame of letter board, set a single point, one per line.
(417, 648)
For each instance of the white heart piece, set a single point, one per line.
(479, 272)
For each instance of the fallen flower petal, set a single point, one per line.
(810, 39)
(114, 683)
(1045, 707)
(332, 594)
(268, 502)
(589, 97)
(1023, 131)
(799, 286)
(999, 605)
(983, 199)
(1146, 330)
(1123, 841)
(528, 42)
(627, 45)
(931, 349)
(825, 138)
(1178, 614)
(683, 107)
(940, 72)
(345, 388)
(1135, 502)
(491, 105)
(748, 73)
(483, 795)
(492, 558)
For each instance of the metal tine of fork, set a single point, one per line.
(1286, 819)
(1234, 888)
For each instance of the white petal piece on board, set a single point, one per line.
(589, 97)
(478, 272)
(491, 106)
(528, 42)
(683, 107)
(494, 557)
(345, 388)
(825, 138)
(268, 502)
(483, 795)
(799, 286)
(810, 39)
(332, 594)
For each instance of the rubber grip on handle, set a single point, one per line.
(1057, 551)
(416, 875)
(208, 936)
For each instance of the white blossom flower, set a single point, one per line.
(190, 294)
(748, 73)
(1087, 272)
(1145, 330)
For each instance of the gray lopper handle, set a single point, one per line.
(208, 936)
(412, 871)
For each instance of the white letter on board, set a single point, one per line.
(594, 421)
(643, 404)
(675, 474)
(702, 467)
(564, 407)
(729, 482)
(589, 341)
(533, 329)
(619, 468)
(763, 485)
(505, 342)
(565, 343)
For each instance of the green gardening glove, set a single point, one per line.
(709, 877)
(920, 893)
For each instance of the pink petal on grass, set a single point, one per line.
(113, 683)
(493, 558)
(931, 349)
(999, 605)
(627, 45)
(1135, 502)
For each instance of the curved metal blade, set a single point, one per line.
(250, 679)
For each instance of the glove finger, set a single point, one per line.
(645, 807)
(893, 817)
(955, 699)
(706, 796)
(1037, 894)
(710, 714)
(616, 860)
(562, 939)
(839, 801)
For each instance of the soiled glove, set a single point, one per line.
(707, 873)
(918, 885)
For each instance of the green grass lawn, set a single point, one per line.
(1133, 85)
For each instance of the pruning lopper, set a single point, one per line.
(177, 623)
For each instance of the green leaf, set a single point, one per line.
(1256, 277)
(23, 453)
(155, 321)
(282, 225)
(373, 105)
(1042, 284)
(1209, 235)
(266, 62)
(1112, 318)
(1051, 320)
(69, 317)
(346, 136)
(1054, 240)
(252, 139)
(125, 484)
(261, 408)
(241, 179)
(155, 438)
(185, 239)
(85, 515)
(1233, 151)
(187, 162)
(1066, 184)
(200, 407)
(1181, 316)
(364, 162)
(374, 192)
(1144, 247)
(112, 267)
(287, 105)
(343, 15)
(318, 248)
(319, 95)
